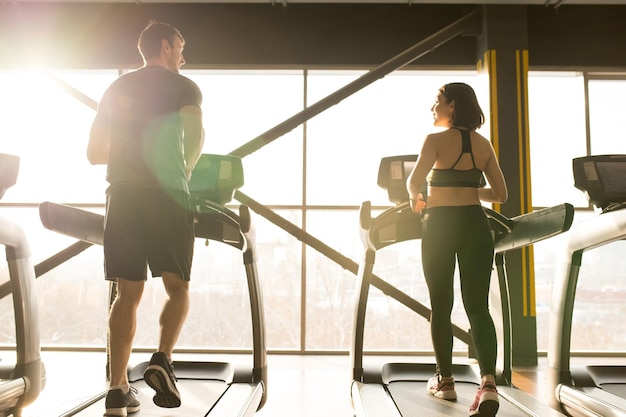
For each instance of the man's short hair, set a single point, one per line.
(150, 39)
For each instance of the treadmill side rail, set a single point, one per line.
(239, 400)
(372, 400)
(11, 393)
(578, 403)
(526, 402)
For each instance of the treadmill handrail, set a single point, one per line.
(214, 222)
(527, 229)
(28, 368)
(585, 235)
(576, 401)
(510, 233)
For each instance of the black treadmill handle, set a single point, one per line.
(499, 222)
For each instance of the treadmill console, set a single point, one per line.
(215, 178)
(392, 174)
(602, 178)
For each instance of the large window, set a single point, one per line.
(314, 177)
(572, 115)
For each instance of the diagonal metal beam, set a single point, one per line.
(74, 92)
(468, 23)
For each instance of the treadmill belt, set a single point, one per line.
(611, 378)
(413, 400)
(198, 397)
(618, 390)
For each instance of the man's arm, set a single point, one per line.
(99, 140)
(193, 136)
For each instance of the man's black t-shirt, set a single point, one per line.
(146, 129)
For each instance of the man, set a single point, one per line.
(148, 130)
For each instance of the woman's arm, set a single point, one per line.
(498, 192)
(415, 181)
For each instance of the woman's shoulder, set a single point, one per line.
(479, 139)
(440, 135)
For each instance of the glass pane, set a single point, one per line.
(330, 287)
(554, 145)
(238, 107)
(219, 315)
(605, 109)
(546, 254)
(388, 117)
(48, 129)
(599, 310)
(279, 262)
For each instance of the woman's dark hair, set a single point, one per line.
(150, 39)
(467, 111)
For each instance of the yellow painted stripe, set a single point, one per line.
(529, 195)
(532, 301)
(520, 131)
(520, 153)
(528, 273)
(528, 187)
(490, 63)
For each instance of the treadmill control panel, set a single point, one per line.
(392, 174)
(602, 178)
(216, 178)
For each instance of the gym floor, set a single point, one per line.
(298, 385)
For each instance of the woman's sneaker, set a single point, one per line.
(486, 402)
(441, 387)
(120, 404)
(160, 376)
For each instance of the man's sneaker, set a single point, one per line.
(441, 387)
(160, 376)
(120, 404)
(486, 402)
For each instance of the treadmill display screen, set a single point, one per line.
(613, 176)
(602, 178)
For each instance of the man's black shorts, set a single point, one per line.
(147, 226)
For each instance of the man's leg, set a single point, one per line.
(120, 400)
(122, 326)
(174, 312)
(160, 374)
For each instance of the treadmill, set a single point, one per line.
(589, 390)
(214, 389)
(399, 389)
(20, 383)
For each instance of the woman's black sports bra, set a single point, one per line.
(456, 177)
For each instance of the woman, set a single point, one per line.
(455, 226)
